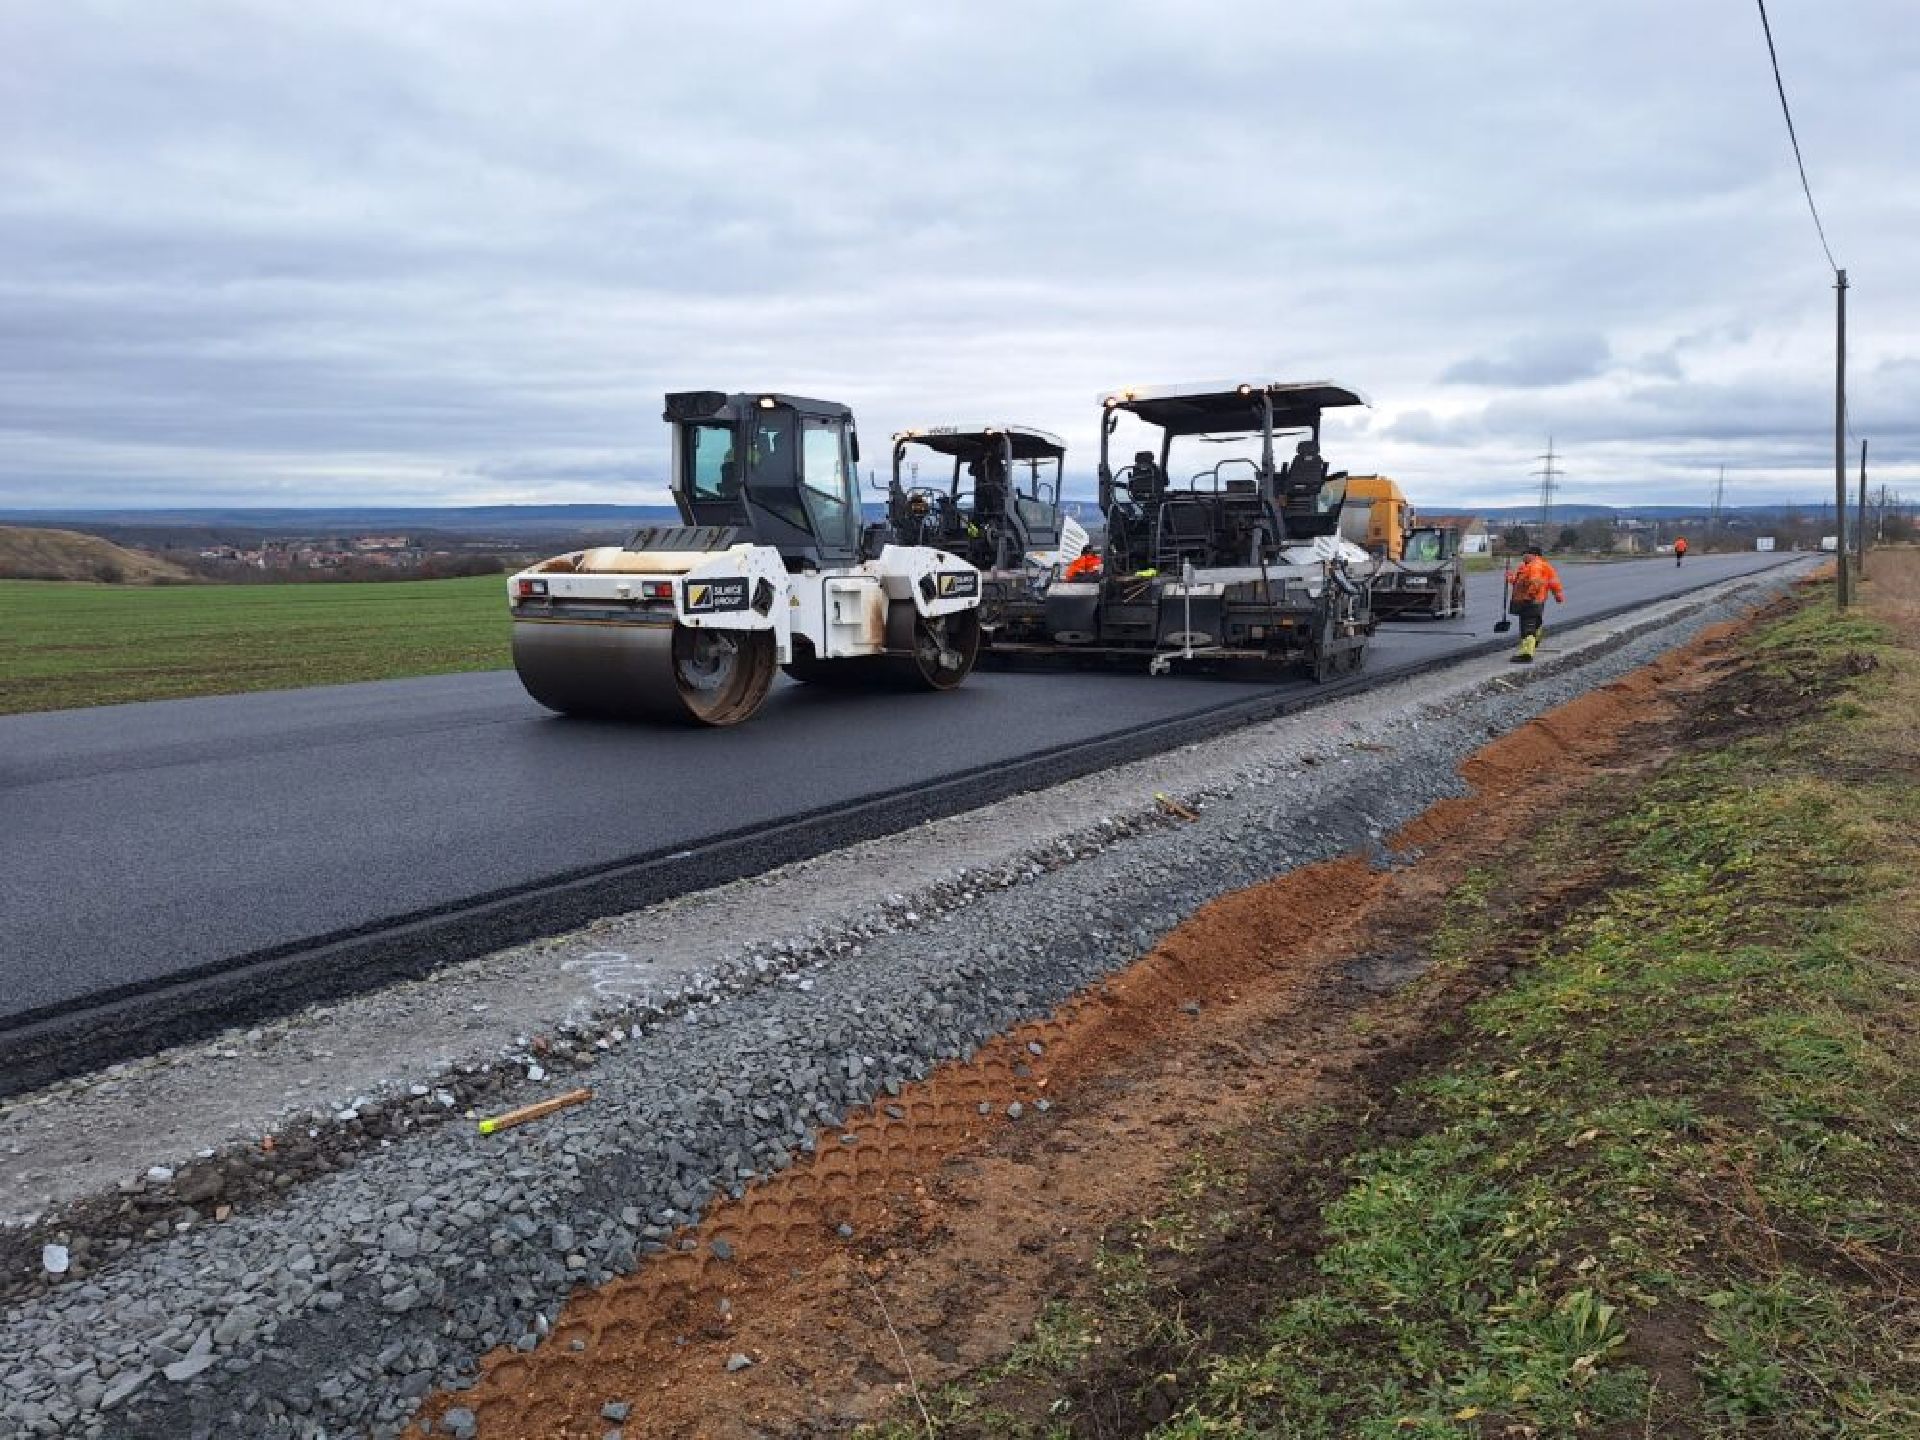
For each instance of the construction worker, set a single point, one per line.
(1679, 550)
(1527, 590)
(1086, 566)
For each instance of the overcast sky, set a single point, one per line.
(411, 252)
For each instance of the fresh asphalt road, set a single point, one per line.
(148, 840)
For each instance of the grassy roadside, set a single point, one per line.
(64, 645)
(1664, 1181)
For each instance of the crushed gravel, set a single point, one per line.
(325, 1287)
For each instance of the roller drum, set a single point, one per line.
(644, 672)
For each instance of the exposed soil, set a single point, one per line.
(964, 1223)
(1746, 701)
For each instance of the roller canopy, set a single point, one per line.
(1232, 407)
(969, 442)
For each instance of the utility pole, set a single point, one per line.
(1860, 526)
(1842, 594)
(1549, 474)
(1719, 505)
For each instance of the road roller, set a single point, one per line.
(771, 567)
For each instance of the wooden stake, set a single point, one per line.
(534, 1112)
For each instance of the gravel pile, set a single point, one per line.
(384, 1273)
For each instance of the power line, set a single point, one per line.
(1787, 111)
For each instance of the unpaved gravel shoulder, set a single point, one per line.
(721, 1032)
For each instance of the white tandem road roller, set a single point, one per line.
(772, 566)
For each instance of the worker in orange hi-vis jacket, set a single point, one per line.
(1679, 549)
(1527, 590)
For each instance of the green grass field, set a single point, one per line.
(65, 645)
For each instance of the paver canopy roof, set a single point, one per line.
(1230, 407)
(970, 441)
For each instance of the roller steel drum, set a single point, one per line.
(623, 671)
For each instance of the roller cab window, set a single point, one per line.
(826, 485)
(773, 465)
(713, 470)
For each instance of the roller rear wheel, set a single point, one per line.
(722, 676)
(939, 651)
(924, 654)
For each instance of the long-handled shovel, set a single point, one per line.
(1505, 622)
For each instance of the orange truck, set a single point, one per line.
(1376, 515)
(1420, 572)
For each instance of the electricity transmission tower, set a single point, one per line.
(1719, 505)
(1549, 474)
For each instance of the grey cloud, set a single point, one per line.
(1535, 361)
(1661, 364)
(1423, 427)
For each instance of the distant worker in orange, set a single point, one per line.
(1679, 549)
(1527, 590)
(1084, 567)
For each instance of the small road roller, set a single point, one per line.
(772, 566)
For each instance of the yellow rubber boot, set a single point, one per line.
(1528, 644)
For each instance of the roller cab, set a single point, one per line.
(772, 567)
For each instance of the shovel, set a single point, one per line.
(1505, 622)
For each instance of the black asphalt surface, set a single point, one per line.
(151, 842)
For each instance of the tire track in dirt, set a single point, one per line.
(963, 1222)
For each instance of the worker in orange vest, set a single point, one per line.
(1679, 550)
(1085, 567)
(1527, 590)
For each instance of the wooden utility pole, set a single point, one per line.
(1843, 592)
(1860, 526)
